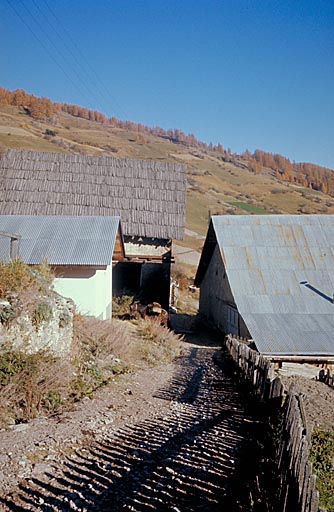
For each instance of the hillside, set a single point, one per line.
(218, 182)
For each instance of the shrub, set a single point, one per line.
(52, 133)
(7, 313)
(159, 344)
(42, 313)
(322, 456)
(17, 277)
(121, 305)
(31, 383)
(179, 274)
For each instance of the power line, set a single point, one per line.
(41, 28)
(55, 29)
(89, 67)
(42, 44)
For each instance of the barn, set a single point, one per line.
(81, 250)
(270, 279)
(148, 196)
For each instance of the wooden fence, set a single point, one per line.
(297, 482)
(327, 376)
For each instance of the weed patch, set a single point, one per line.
(157, 344)
(322, 456)
(17, 277)
(121, 305)
(31, 384)
(42, 313)
(250, 208)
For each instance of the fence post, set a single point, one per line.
(297, 482)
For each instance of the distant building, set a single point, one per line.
(148, 196)
(82, 252)
(270, 278)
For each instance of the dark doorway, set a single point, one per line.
(150, 282)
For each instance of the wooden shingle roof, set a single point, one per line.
(148, 196)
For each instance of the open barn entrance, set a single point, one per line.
(148, 281)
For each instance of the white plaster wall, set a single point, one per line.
(89, 288)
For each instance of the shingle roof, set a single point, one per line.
(85, 240)
(281, 272)
(148, 196)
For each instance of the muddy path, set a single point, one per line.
(176, 438)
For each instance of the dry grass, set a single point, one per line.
(40, 383)
(134, 344)
(187, 302)
(156, 344)
(31, 384)
(186, 299)
(26, 290)
(17, 277)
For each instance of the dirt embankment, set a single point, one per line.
(318, 399)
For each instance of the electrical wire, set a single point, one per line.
(63, 58)
(60, 58)
(39, 40)
(102, 87)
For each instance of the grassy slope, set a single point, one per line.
(213, 185)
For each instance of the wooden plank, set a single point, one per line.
(10, 235)
(314, 495)
(304, 500)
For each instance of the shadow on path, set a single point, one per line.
(193, 459)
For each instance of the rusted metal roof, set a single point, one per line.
(148, 196)
(281, 272)
(68, 240)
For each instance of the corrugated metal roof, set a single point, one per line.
(61, 240)
(281, 272)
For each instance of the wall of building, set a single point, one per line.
(216, 297)
(136, 246)
(88, 287)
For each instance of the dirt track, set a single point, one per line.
(171, 438)
(179, 437)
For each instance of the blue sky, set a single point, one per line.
(247, 73)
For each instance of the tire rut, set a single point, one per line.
(191, 459)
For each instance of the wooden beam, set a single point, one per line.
(10, 235)
(14, 243)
